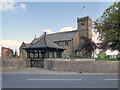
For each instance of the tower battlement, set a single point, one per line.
(83, 19)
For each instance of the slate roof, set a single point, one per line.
(24, 45)
(34, 40)
(43, 42)
(47, 40)
(61, 36)
(27, 44)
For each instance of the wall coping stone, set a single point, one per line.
(61, 59)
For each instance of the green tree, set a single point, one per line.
(11, 53)
(101, 54)
(109, 27)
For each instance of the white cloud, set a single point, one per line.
(48, 31)
(10, 5)
(64, 29)
(12, 44)
(23, 6)
(7, 5)
(67, 29)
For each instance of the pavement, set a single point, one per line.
(42, 78)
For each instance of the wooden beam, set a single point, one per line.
(53, 54)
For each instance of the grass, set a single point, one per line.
(98, 59)
(106, 59)
(76, 57)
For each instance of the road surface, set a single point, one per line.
(41, 78)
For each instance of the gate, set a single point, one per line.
(37, 63)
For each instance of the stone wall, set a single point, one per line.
(68, 51)
(75, 42)
(82, 66)
(12, 64)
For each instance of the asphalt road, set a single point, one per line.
(40, 78)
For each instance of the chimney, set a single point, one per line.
(45, 33)
(35, 36)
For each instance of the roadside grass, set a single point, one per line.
(76, 57)
(98, 59)
(106, 59)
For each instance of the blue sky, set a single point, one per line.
(22, 21)
(23, 25)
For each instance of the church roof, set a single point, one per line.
(47, 40)
(61, 36)
(43, 42)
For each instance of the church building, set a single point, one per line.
(61, 44)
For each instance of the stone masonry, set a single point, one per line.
(82, 66)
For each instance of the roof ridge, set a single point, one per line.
(37, 39)
(61, 32)
(45, 41)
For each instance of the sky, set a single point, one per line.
(21, 21)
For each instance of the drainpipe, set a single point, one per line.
(72, 47)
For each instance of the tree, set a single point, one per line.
(101, 54)
(11, 53)
(109, 27)
(88, 46)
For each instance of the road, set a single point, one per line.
(40, 78)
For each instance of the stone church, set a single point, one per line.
(70, 40)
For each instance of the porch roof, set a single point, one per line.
(43, 43)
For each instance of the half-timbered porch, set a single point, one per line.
(42, 53)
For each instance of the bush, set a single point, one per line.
(101, 54)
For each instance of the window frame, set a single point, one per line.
(66, 43)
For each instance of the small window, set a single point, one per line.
(66, 42)
(82, 24)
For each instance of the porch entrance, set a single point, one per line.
(43, 48)
(37, 63)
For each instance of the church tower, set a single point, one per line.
(84, 27)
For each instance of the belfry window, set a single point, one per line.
(82, 25)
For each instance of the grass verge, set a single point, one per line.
(98, 59)
(106, 59)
